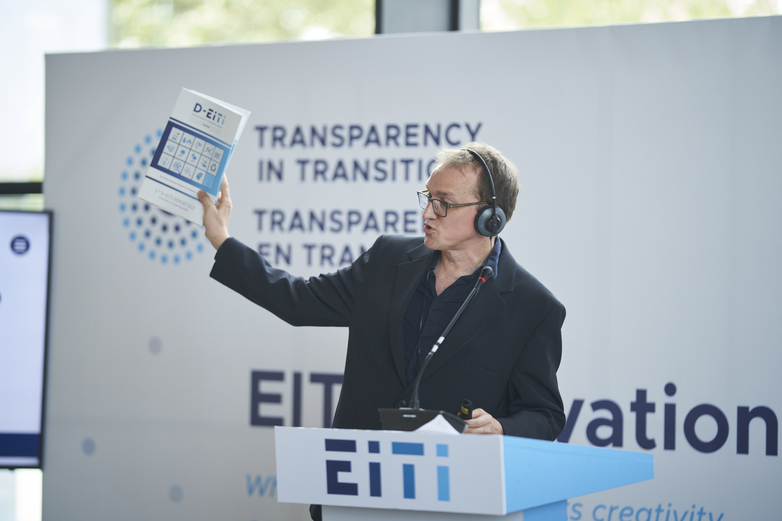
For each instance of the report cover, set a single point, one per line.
(193, 154)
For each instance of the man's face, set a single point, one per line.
(456, 231)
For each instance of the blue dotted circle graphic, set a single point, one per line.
(158, 235)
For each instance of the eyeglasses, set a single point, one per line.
(439, 207)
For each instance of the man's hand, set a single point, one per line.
(216, 215)
(483, 423)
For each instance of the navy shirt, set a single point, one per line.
(428, 313)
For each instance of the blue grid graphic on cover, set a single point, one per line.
(191, 156)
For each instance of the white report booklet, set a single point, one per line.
(193, 154)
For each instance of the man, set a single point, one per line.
(398, 297)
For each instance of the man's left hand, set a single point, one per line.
(483, 423)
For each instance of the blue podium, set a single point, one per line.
(359, 475)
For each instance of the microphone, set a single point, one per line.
(485, 273)
(410, 420)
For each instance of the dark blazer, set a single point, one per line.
(502, 354)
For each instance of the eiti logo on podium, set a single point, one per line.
(334, 467)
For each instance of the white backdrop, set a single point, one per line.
(649, 158)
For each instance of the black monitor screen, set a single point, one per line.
(24, 293)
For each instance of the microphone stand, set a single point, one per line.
(409, 419)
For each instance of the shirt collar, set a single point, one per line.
(494, 257)
(492, 261)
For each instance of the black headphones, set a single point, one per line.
(490, 220)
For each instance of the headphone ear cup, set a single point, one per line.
(487, 223)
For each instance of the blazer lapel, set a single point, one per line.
(478, 315)
(408, 276)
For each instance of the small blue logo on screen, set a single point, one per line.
(156, 234)
(20, 244)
